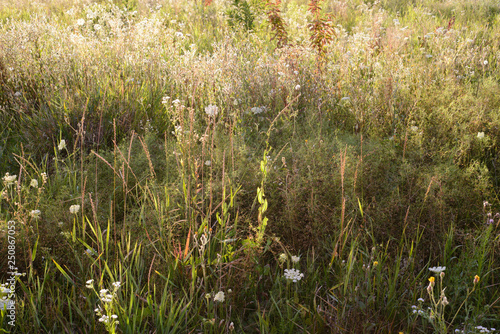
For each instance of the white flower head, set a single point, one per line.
(295, 259)
(34, 183)
(297, 87)
(293, 275)
(283, 257)
(117, 284)
(74, 209)
(9, 179)
(80, 22)
(211, 110)
(219, 297)
(480, 135)
(89, 284)
(62, 145)
(164, 100)
(208, 163)
(437, 270)
(35, 214)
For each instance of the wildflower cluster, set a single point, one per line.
(108, 298)
(9, 179)
(4, 300)
(293, 275)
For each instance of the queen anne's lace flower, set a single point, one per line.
(437, 270)
(293, 274)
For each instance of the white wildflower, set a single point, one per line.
(208, 163)
(219, 297)
(297, 87)
(62, 145)
(9, 179)
(295, 259)
(34, 183)
(437, 270)
(74, 209)
(89, 284)
(211, 110)
(80, 22)
(35, 214)
(293, 274)
(480, 135)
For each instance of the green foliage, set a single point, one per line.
(230, 185)
(240, 14)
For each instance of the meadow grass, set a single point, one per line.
(249, 166)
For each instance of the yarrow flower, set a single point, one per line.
(9, 179)
(293, 274)
(295, 259)
(257, 110)
(211, 110)
(219, 297)
(297, 87)
(282, 257)
(437, 270)
(34, 183)
(35, 214)
(62, 145)
(74, 209)
(89, 284)
(80, 22)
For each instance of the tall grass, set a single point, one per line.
(249, 166)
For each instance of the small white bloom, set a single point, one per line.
(90, 283)
(176, 101)
(414, 128)
(97, 27)
(295, 72)
(34, 183)
(80, 22)
(437, 270)
(345, 98)
(219, 297)
(35, 214)
(421, 300)
(114, 316)
(62, 145)
(295, 259)
(117, 284)
(179, 34)
(9, 179)
(17, 94)
(208, 163)
(485, 62)
(428, 56)
(74, 209)
(293, 274)
(297, 87)
(480, 135)
(211, 110)
(283, 257)
(165, 99)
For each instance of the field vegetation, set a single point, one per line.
(250, 166)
